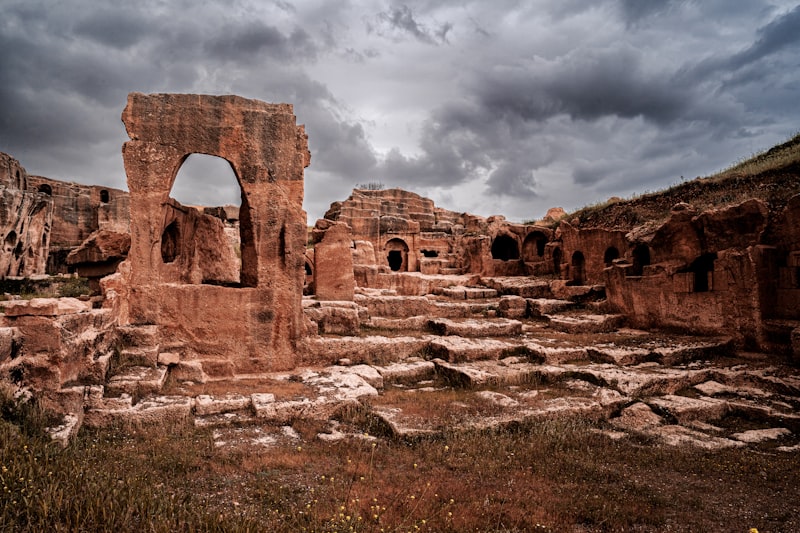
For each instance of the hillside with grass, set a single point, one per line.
(772, 176)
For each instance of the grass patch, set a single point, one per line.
(544, 476)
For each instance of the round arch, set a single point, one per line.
(533, 246)
(505, 248)
(396, 251)
(578, 268)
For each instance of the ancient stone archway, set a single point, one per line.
(397, 254)
(641, 258)
(505, 248)
(578, 269)
(557, 261)
(703, 267)
(610, 255)
(533, 246)
(239, 329)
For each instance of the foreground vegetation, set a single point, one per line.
(553, 476)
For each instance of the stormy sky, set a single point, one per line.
(503, 107)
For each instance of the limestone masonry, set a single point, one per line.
(387, 287)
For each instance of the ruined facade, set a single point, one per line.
(26, 221)
(395, 231)
(241, 323)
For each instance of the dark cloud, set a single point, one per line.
(233, 42)
(113, 28)
(528, 106)
(400, 19)
(781, 33)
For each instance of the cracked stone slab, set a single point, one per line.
(68, 428)
(556, 354)
(342, 383)
(585, 323)
(401, 426)
(539, 307)
(205, 404)
(224, 419)
(468, 293)
(686, 409)
(673, 435)
(460, 349)
(754, 436)
(618, 355)
(138, 380)
(479, 373)
(637, 417)
(410, 372)
(497, 398)
(151, 410)
(365, 349)
(472, 327)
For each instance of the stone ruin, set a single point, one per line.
(632, 325)
(239, 322)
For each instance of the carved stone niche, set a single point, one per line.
(251, 325)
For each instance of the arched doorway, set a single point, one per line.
(557, 262)
(610, 255)
(505, 248)
(533, 246)
(702, 267)
(221, 252)
(578, 269)
(397, 255)
(641, 258)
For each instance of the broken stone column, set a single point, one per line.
(333, 261)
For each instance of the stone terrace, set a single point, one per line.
(495, 353)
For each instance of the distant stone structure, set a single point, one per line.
(396, 231)
(26, 220)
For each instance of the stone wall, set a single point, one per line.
(407, 233)
(26, 221)
(78, 211)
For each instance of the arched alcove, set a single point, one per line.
(397, 255)
(610, 255)
(533, 246)
(557, 254)
(45, 189)
(104, 196)
(430, 253)
(702, 267)
(170, 242)
(578, 269)
(11, 240)
(505, 248)
(641, 258)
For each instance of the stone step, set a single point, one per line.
(459, 349)
(137, 381)
(519, 286)
(139, 335)
(588, 323)
(541, 307)
(467, 293)
(369, 349)
(679, 351)
(139, 356)
(475, 327)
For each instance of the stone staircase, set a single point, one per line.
(522, 351)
